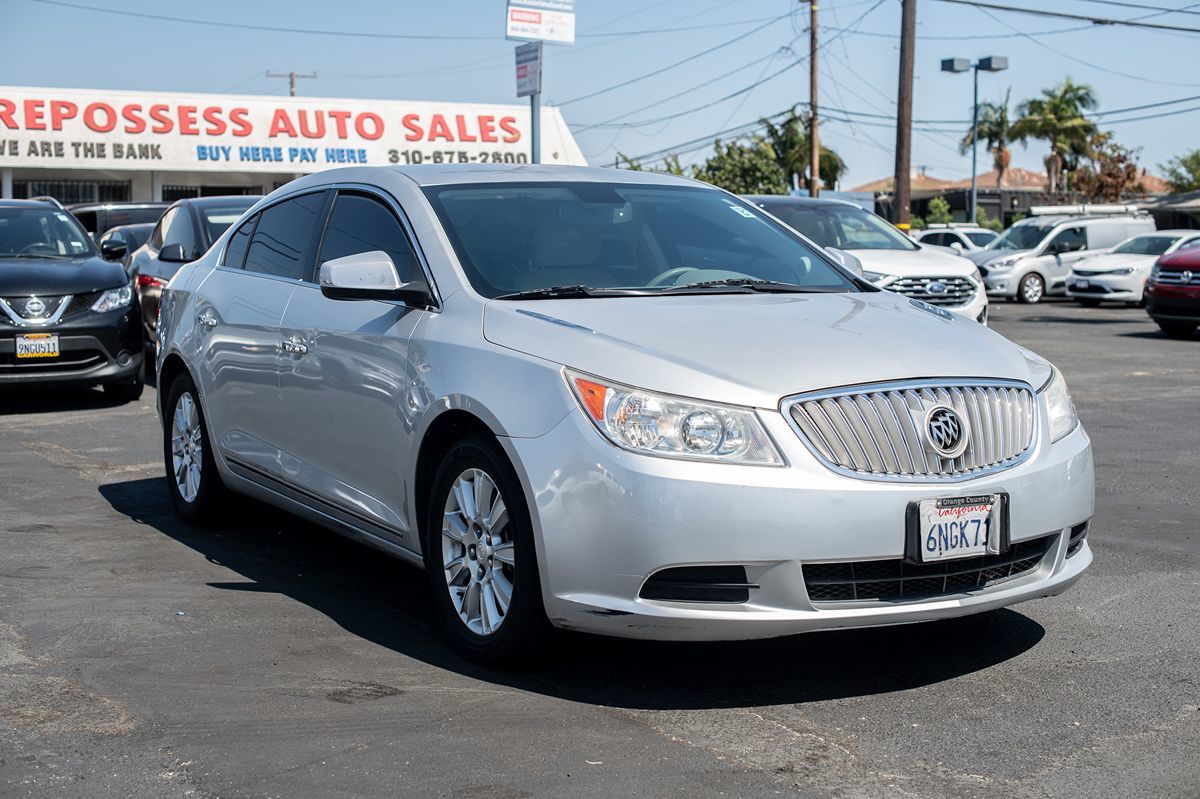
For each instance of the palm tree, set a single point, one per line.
(1058, 118)
(994, 128)
(789, 142)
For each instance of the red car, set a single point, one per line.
(1173, 293)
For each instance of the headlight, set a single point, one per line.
(1003, 263)
(1060, 409)
(878, 278)
(113, 299)
(1129, 270)
(673, 427)
(977, 277)
(1154, 273)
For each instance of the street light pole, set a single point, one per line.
(992, 63)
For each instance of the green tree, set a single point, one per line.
(996, 130)
(983, 220)
(938, 211)
(789, 141)
(1057, 117)
(670, 165)
(1183, 172)
(743, 168)
(1109, 171)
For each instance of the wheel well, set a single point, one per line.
(171, 368)
(446, 431)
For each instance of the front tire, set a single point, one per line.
(1031, 289)
(1178, 329)
(192, 479)
(479, 553)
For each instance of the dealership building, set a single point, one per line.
(86, 145)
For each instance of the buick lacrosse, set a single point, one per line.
(616, 402)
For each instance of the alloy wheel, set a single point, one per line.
(477, 552)
(187, 447)
(1031, 289)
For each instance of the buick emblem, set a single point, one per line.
(936, 287)
(34, 307)
(1186, 276)
(946, 431)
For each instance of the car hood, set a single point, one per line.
(925, 262)
(46, 277)
(753, 349)
(1111, 261)
(984, 257)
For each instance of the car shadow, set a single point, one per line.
(388, 603)
(1157, 334)
(16, 400)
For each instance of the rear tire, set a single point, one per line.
(1178, 329)
(128, 390)
(1031, 289)
(481, 560)
(193, 481)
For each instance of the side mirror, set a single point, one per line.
(113, 250)
(173, 253)
(957, 247)
(370, 276)
(848, 260)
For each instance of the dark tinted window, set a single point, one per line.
(281, 240)
(88, 220)
(235, 252)
(178, 229)
(934, 238)
(361, 224)
(1073, 237)
(981, 239)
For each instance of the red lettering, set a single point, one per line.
(187, 120)
(158, 113)
(90, 113)
(318, 131)
(360, 126)
(461, 122)
(509, 126)
(411, 124)
(340, 118)
(33, 115)
(61, 110)
(281, 124)
(133, 115)
(438, 129)
(7, 107)
(216, 125)
(241, 124)
(487, 128)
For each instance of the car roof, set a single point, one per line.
(26, 204)
(1049, 220)
(132, 226)
(223, 199)
(791, 199)
(101, 206)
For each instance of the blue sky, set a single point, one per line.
(53, 45)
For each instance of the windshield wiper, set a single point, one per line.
(747, 284)
(562, 293)
(35, 255)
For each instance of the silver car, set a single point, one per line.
(617, 402)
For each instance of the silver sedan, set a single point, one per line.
(617, 402)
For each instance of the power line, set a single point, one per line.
(1139, 6)
(1038, 12)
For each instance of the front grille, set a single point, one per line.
(82, 302)
(1092, 289)
(881, 433)
(935, 290)
(19, 306)
(1176, 278)
(895, 580)
(698, 584)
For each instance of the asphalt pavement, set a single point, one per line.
(266, 657)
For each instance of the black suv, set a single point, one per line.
(99, 217)
(67, 313)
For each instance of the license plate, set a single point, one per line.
(957, 527)
(37, 345)
(1082, 284)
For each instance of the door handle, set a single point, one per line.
(295, 345)
(207, 319)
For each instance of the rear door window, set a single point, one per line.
(281, 241)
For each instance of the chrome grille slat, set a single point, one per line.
(959, 290)
(877, 431)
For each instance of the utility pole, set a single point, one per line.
(814, 141)
(291, 76)
(908, 34)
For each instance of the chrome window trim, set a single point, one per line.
(20, 321)
(949, 383)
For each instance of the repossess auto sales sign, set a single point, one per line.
(100, 129)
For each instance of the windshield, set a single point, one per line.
(218, 218)
(843, 226)
(41, 232)
(1146, 245)
(1020, 237)
(521, 237)
(981, 238)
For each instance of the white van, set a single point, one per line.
(1034, 257)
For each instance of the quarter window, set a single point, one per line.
(361, 224)
(280, 242)
(235, 251)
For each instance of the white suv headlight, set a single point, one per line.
(878, 278)
(673, 427)
(1059, 408)
(113, 299)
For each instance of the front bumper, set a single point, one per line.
(1117, 288)
(94, 349)
(1174, 303)
(606, 519)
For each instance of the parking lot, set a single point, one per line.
(267, 657)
